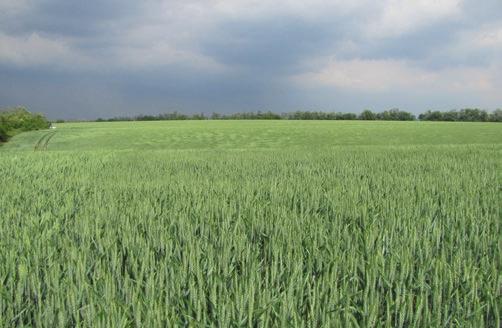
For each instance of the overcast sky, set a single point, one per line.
(88, 59)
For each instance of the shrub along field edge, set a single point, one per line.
(19, 119)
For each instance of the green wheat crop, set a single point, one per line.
(252, 224)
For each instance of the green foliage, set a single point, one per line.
(13, 121)
(367, 115)
(392, 115)
(472, 115)
(304, 115)
(496, 116)
(3, 129)
(255, 224)
(251, 116)
(434, 116)
(395, 115)
(464, 115)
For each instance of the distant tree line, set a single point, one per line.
(466, 115)
(174, 116)
(19, 119)
(389, 115)
(463, 115)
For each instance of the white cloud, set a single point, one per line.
(384, 18)
(383, 76)
(481, 45)
(35, 50)
(487, 36)
(368, 75)
(13, 6)
(164, 39)
(398, 17)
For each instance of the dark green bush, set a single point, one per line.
(16, 120)
(3, 130)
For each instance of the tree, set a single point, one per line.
(450, 116)
(496, 116)
(367, 115)
(19, 119)
(472, 115)
(395, 114)
(431, 116)
(349, 116)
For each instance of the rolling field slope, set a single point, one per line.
(250, 135)
(252, 223)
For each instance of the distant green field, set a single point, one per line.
(252, 135)
(252, 223)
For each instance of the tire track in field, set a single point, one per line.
(43, 142)
(39, 142)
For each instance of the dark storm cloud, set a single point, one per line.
(69, 18)
(272, 45)
(83, 59)
(81, 95)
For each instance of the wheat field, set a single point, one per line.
(252, 224)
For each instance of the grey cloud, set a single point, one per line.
(476, 12)
(81, 95)
(258, 56)
(70, 18)
(271, 45)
